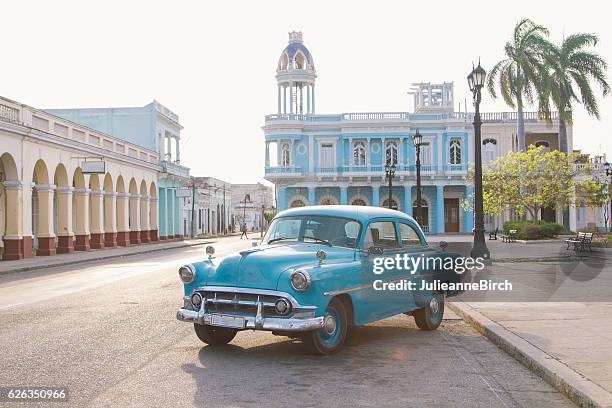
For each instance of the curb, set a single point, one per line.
(100, 258)
(547, 259)
(575, 386)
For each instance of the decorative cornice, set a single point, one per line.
(12, 185)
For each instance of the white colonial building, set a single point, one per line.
(250, 202)
(339, 158)
(67, 187)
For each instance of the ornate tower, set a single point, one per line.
(296, 75)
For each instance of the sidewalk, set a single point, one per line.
(569, 344)
(39, 262)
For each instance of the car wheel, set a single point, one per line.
(430, 316)
(330, 338)
(214, 335)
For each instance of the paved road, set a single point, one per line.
(108, 332)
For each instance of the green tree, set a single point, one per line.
(520, 75)
(529, 181)
(571, 68)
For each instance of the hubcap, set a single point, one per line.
(329, 325)
(434, 305)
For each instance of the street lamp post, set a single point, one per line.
(608, 169)
(389, 174)
(417, 139)
(476, 81)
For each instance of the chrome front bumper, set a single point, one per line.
(256, 322)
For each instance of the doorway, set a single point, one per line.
(451, 215)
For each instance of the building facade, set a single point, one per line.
(67, 187)
(250, 202)
(212, 206)
(157, 128)
(340, 158)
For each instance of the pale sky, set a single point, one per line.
(213, 63)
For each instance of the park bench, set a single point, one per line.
(493, 235)
(580, 242)
(511, 237)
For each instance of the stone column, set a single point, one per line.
(123, 229)
(408, 199)
(45, 235)
(440, 209)
(65, 235)
(96, 207)
(291, 98)
(343, 195)
(311, 196)
(468, 216)
(279, 99)
(282, 201)
(267, 154)
(82, 220)
(13, 238)
(375, 195)
(145, 226)
(168, 148)
(177, 141)
(110, 219)
(153, 232)
(178, 217)
(170, 213)
(313, 99)
(134, 218)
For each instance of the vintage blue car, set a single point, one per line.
(312, 277)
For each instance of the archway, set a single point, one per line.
(144, 212)
(122, 220)
(110, 208)
(96, 213)
(15, 245)
(153, 200)
(42, 211)
(80, 211)
(134, 213)
(328, 200)
(297, 203)
(62, 211)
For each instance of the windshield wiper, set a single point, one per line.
(319, 240)
(280, 239)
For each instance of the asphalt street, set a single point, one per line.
(107, 331)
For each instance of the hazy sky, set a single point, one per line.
(213, 63)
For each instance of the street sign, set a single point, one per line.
(183, 192)
(93, 167)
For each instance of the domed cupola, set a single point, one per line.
(296, 75)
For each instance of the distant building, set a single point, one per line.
(340, 158)
(154, 127)
(212, 206)
(250, 202)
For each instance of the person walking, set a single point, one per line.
(244, 231)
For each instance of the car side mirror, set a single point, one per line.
(254, 243)
(443, 245)
(375, 250)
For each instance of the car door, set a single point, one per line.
(372, 304)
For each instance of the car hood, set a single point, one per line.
(262, 266)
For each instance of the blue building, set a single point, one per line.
(157, 128)
(340, 158)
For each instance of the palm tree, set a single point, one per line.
(571, 68)
(521, 74)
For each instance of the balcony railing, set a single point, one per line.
(283, 170)
(405, 116)
(455, 167)
(369, 170)
(175, 169)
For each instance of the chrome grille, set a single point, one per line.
(240, 303)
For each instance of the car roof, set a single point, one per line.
(357, 212)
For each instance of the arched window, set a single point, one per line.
(455, 151)
(359, 154)
(286, 155)
(543, 143)
(393, 204)
(297, 203)
(358, 201)
(489, 150)
(391, 151)
(299, 61)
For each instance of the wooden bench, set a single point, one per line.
(493, 235)
(511, 237)
(580, 242)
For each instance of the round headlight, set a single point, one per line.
(196, 299)
(300, 280)
(282, 306)
(187, 273)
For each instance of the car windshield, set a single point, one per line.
(315, 229)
